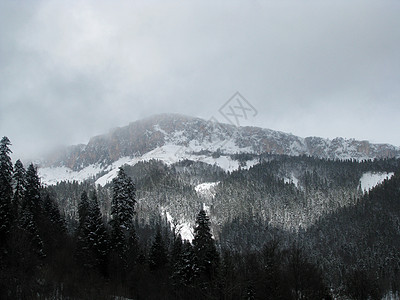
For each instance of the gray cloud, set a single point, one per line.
(70, 70)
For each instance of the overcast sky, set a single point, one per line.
(70, 70)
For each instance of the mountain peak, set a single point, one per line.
(182, 137)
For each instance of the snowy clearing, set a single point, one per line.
(182, 227)
(369, 179)
(169, 154)
(206, 189)
(51, 176)
(293, 179)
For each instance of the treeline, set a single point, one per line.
(99, 259)
(110, 247)
(358, 246)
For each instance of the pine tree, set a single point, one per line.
(19, 178)
(204, 247)
(158, 253)
(6, 189)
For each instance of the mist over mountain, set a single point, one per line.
(173, 137)
(257, 190)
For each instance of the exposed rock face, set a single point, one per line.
(145, 135)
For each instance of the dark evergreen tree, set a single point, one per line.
(29, 225)
(32, 200)
(6, 189)
(132, 251)
(204, 247)
(304, 279)
(188, 270)
(158, 253)
(361, 285)
(118, 240)
(250, 293)
(122, 211)
(96, 235)
(271, 272)
(228, 275)
(176, 251)
(82, 254)
(92, 245)
(19, 187)
(123, 201)
(53, 214)
(83, 209)
(185, 269)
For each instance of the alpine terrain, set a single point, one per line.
(176, 207)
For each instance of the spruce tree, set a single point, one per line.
(97, 234)
(19, 178)
(31, 211)
(122, 211)
(92, 240)
(204, 247)
(83, 208)
(158, 253)
(82, 253)
(132, 249)
(29, 226)
(53, 216)
(6, 190)
(185, 268)
(176, 252)
(118, 240)
(32, 200)
(123, 201)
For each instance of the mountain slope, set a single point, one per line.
(172, 137)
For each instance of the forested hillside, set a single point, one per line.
(285, 228)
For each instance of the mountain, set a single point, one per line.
(172, 137)
(331, 198)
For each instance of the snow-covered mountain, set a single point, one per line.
(173, 137)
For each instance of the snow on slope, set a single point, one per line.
(293, 179)
(369, 180)
(51, 176)
(182, 227)
(168, 154)
(206, 189)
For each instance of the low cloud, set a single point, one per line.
(71, 70)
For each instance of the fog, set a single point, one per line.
(74, 69)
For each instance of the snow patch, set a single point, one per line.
(183, 228)
(169, 154)
(371, 179)
(206, 208)
(293, 179)
(51, 176)
(206, 189)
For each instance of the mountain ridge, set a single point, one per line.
(174, 137)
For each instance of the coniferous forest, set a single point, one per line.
(259, 237)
